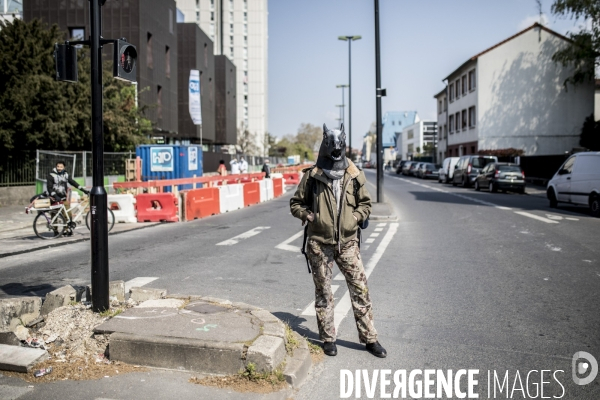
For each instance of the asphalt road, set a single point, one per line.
(464, 280)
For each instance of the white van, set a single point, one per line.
(447, 171)
(577, 182)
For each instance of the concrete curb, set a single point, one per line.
(298, 365)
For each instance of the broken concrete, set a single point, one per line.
(20, 359)
(58, 298)
(266, 353)
(142, 294)
(18, 311)
(117, 289)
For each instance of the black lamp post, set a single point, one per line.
(349, 39)
(379, 93)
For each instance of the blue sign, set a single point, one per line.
(162, 159)
(194, 97)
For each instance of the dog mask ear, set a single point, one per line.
(342, 133)
(325, 130)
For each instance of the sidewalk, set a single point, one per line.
(17, 236)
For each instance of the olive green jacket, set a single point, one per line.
(326, 227)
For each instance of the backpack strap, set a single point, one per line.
(310, 190)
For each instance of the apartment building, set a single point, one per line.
(10, 9)
(512, 95)
(416, 137)
(239, 29)
(442, 124)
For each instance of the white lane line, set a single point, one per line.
(378, 229)
(345, 304)
(546, 220)
(310, 310)
(370, 240)
(374, 235)
(572, 219)
(286, 244)
(138, 282)
(382, 224)
(245, 235)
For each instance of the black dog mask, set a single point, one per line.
(332, 153)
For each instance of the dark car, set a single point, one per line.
(501, 176)
(428, 171)
(406, 167)
(468, 167)
(400, 166)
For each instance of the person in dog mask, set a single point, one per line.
(333, 200)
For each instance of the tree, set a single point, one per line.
(310, 136)
(37, 112)
(590, 134)
(246, 142)
(584, 51)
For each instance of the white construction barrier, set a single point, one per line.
(266, 190)
(231, 197)
(123, 207)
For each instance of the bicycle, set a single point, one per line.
(54, 219)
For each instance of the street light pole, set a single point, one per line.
(379, 93)
(349, 39)
(343, 103)
(98, 197)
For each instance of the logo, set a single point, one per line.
(584, 363)
(162, 159)
(194, 86)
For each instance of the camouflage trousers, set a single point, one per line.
(321, 257)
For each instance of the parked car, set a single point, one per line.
(577, 181)
(468, 167)
(428, 171)
(368, 164)
(501, 176)
(400, 166)
(414, 169)
(447, 171)
(406, 167)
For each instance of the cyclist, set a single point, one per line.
(57, 183)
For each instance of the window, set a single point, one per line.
(457, 84)
(451, 123)
(472, 79)
(197, 16)
(464, 119)
(410, 134)
(159, 102)
(245, 52)
(231, 29)
(149, 61)
(439, 106)
(457, 122)
(231, 51)
(212, 15)
(245, 40)
(411, 148)
(212, 30)
(231, 40)
(445, 130)
(77, 33)
(451, 92)
(170, 21)
(245, 29)
(472, 117)
(393, 123)
(464, 85)
(568, 166)
(231, 16)
(168, 62)
(445, 104)
(245, 17)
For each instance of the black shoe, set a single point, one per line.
(68, 233)
(330, 348)
(376, 349)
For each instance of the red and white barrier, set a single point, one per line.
(231, 197)
(123, 207)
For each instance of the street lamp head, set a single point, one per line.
(341, 86)
(346, 38)
(357, 37)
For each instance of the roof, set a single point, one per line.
(440, 93)
(394, 122)
(476, 56)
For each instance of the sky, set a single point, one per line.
(421, 42)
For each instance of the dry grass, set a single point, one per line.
(316, 352)
(248, 380)
(76, 369)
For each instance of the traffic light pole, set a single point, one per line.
(379, 93)
(98, 197)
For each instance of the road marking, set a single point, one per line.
(138, 282)
(345, 304)
(546, 220)
(378, 229)
(374, 235)
(245, 235)
(287, 246)
(382, 224)
(370, 240)
(310, 309)
(572, 219)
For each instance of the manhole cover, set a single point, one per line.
(206, 308)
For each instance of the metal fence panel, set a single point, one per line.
(18, 170)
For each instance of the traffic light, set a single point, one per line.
(65, 61)
(125, 60)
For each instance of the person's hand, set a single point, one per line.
(310, 217)
(84, 190)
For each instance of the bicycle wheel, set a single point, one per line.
(110, 218)
(49, 225)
